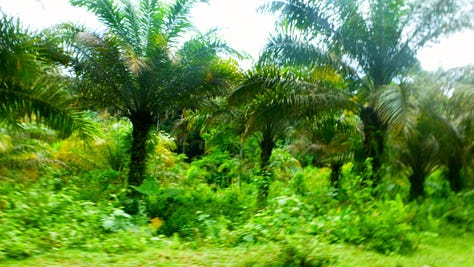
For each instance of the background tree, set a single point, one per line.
(204, 114)
(372, 42)
(452, 118)
(328, 140)
(146, 66)
(275, 99)
(420, 155)
(431, 120)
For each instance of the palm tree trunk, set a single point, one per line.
(417, 187)
(137, 166)
(266, 146)
(335, 173)
(138, 153)
(374, 136)
(454, 174)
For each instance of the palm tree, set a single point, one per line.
(432, 125)
(146, 67)
(420, 154)
(274, 99)
(372, 42)
(209, 113)
(31, 85)
(329, 139)
(453, 118)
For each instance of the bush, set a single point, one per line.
(97, 185)
(283, 165)
(215, 169)
(383, 227)
(40, 218)
(284, 215)
(191, 213)
(451, 215)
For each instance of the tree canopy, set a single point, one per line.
(149, 63)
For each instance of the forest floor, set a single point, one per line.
(439, 251)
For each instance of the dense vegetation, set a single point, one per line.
(335, 148)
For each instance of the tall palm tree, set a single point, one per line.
(31, 84)
(274, 99)
(372, 42)
(148, 65)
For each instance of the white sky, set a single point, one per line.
(239, 25)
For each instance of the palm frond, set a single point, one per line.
(375, 40)
(39, 96)
(315, 15)
(107, 11)
(178, 22)
(151, 19)
(289, 46)
(395, 106)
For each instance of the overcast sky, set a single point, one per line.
(239, 25)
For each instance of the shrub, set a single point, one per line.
(215, 169)
(383, 227)
(193, 212)
(97, 185)
(308, 251)
(451, 215)
(40, 218)
(283, 165)
(284, 215)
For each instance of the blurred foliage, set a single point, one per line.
(203, 180)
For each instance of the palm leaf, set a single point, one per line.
(39, 95)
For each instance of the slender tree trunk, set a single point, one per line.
(266, 146)
(137, 166)
(417, 186)
(335, 173)
(138, 152)
(374, 136)
(454, 174)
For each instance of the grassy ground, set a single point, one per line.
(440, 251)
(433, 252)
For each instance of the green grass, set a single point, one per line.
(442, 251)
(433, 252)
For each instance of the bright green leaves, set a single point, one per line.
(31, 87)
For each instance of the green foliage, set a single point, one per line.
(192, 212)
(217, 169)
(384, 227)
(164, 164)
(150, 66)
(40, 218)
(31, 88)
(26, 149)
(452, 215)
(69, 194)
(284, 215)
(304, 251)
(293, 251)
(297, 184)
(283, 165)
(108, 150)
(97, 185)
